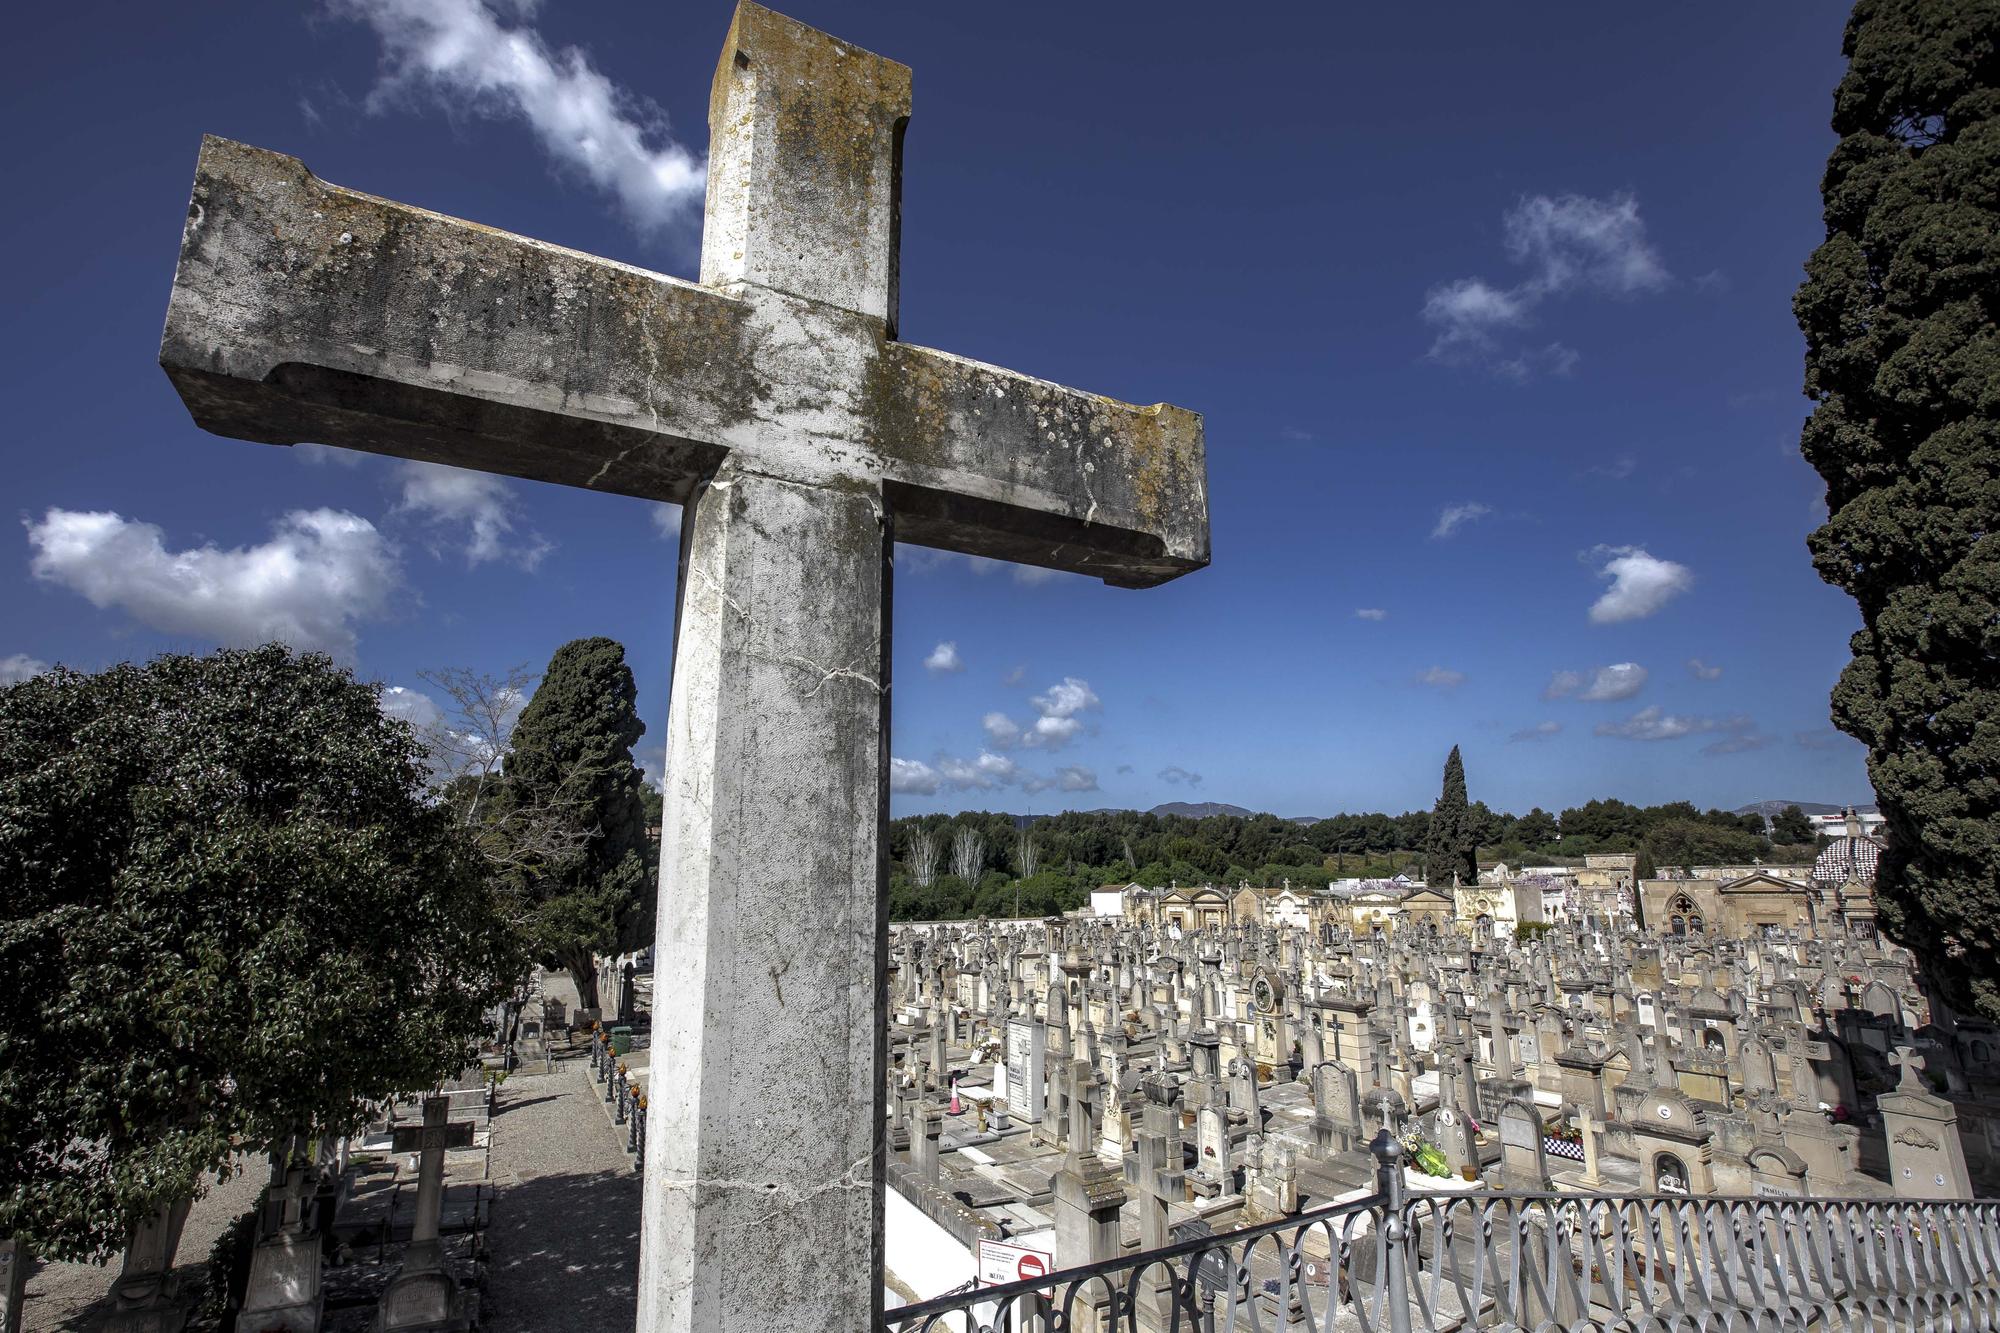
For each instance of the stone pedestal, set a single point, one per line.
(1088, 1195)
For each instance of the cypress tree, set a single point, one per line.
(573, 747)
(1449, 849)
(1903, 364)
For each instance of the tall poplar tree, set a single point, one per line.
(573, 747)
(1903, 362)
(1449, 848)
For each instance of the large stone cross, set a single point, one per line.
(776, 401)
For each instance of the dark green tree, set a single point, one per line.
(1449, 847)
(1791, 826)
(573, 745)
(1537, 828)
(230, 912)
(1903, 363)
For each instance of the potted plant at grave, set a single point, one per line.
(1425, 1156)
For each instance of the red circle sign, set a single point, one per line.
(1030, 1265)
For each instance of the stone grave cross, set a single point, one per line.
(776, 400)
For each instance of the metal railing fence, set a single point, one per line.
(1395, 1262)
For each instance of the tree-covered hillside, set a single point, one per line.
(982, 863)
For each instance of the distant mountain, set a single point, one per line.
(1198, 809)
(1772, 808)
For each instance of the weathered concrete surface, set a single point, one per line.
(305, 311)
(772, 956)
(778, 402)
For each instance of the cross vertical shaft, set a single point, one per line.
(764, 1157)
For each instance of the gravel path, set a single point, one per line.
(564, 1240)
(74, 1297)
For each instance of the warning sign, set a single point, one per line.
(1001, 1262)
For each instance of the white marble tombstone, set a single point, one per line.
(1026, 1052)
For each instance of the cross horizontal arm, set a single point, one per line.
(303, 311)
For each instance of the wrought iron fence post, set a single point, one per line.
(1388, 1151)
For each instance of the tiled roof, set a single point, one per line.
(1848, 859)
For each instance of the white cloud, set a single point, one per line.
(461, 54)
(321, 572)
(1640, 583)
(983, 773)
(1575, 241)
(1468, 311)
(1541, 731)
(1075, 777)
(1701, 670)
(1059, 722)
(924, 560)
(1176, 775)
(1652, 724)
(1617, 468)
(1566, 243)
(652, 761)
(1001, 730)
(913, 776)
(944, 659)
(1606, 684)
(1067, 699)
(666, 520)
(411, 706)
(1370, 613)
(327, 455)
(1015, 676)
(1453, 517)
(1743, 744)
(18, 667)
(1555, 359)
(1442, 678)
(479, 500)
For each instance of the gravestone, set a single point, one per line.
(1926, 1158)
(424, 1294)
(777, 401)
(1212, 1172)
(1524, 1163)
(13, 1283)
(146, 1298)
(282, 1292)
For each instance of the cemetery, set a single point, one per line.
(1585, 1096)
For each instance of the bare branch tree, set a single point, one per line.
(1027, 859)
(922, 858)
(968, 853)
(469, 743)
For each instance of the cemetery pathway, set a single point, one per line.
(564, 1239)
(73, 1298)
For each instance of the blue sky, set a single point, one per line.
(1487, 309)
